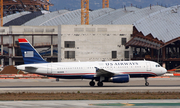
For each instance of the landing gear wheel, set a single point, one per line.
(147, 84)
(100, 84)
(91, 83)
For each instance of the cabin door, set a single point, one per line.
(49, 68)
(148, 66)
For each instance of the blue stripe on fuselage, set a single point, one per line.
(92, 76)
(141, 75)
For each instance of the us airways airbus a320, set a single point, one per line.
(108, 71)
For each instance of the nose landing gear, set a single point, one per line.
(146, 82)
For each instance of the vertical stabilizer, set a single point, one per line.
(30, 55)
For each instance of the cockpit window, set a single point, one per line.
(158, 66)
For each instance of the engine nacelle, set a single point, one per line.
(120, 78)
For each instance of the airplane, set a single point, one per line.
(103, 71)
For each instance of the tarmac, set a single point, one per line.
(92, 104)
(51, 85)
(65, 85)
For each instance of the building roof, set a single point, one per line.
(163, 24)
(92, 15)
(11, 17)
(111, 16)
(62, 18)
(44, 18)
(136, 15)
(23, 18)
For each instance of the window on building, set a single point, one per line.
(69, 54)
(76, 34)
(121, 34)
(126, 54)
(69, 44)
(127, 47)
(123, 41)
(114, 54)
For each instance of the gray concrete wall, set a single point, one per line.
(95, 42)
(92, 42)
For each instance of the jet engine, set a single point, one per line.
(120, 78)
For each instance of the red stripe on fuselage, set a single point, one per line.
(95, 73)
(139, 73)
(72, 74)
(22, 40)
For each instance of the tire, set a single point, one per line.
(91, 83)
(100, 84)
(146, 84)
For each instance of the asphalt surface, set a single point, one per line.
(92, 104)
(66, 85)
(51, 85)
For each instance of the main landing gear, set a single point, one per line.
(100, 84)
(92, 83)
(146, 83)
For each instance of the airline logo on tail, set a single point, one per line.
(30, 55)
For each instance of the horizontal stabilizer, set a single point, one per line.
(30, 67)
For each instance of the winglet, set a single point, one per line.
(30, 55)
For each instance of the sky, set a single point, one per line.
(116, 4)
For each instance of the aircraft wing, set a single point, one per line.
(104, 73)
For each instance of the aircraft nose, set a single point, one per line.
(164, 70)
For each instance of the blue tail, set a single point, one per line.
(30, 55)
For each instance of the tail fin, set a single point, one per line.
(30, 55)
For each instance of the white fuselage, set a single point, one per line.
(80, 69)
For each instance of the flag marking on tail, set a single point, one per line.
(30, 55)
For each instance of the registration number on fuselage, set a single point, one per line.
(60, 71)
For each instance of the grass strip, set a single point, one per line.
(88, 96)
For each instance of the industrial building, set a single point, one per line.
(94, 42)
(153, 34)
(75, 42)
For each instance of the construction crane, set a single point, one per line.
(1, 10)
(105, 4)
(47, 6)
(84, 12)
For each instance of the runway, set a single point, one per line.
(92, 104)
(51, 85)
